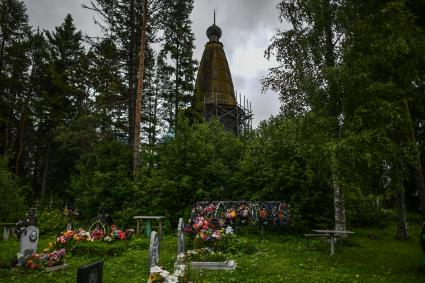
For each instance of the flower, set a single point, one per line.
(231, 214)
(229, 230)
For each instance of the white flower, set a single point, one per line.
(155, 269)
(229, 230)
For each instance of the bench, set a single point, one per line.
(313, 236)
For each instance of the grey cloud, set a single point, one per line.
(50, 13)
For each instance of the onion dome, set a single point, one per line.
(214, 33)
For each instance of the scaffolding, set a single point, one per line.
(236, 118)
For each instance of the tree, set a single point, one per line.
(198, 163)
(140, 77)
(65, 102)
(308, 54)
(12, 203)
(122, 22)
(177, 47)
(383, 63)
(14, 62)
(107, 83)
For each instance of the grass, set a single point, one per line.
(273, 258)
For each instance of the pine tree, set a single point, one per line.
(122, 23)
(66, 104)
(108, 86)
(14, 62)
(177, 56)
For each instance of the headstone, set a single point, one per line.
(91, 273)
(180, 237)
(154, 250)
(28, 241)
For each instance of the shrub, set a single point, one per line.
(12, 202)
(51, 221)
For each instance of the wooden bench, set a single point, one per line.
(314, 236)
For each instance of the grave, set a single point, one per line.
(28, 241)
(210, 265)
(239, 213)
(91, 273)
(180, 237)
(153, 258)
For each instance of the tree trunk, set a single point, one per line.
(402, 232)
(177, 98)
(420, 185)
(131, 73)
(419, 175)
(155, 111)
(45, 172)
(339, 200)
(138, 102)
(334, 112)
(20, 142)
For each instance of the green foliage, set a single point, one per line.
(12, 204)
(197, 164)
(103, 182)
(176, 58)
(51, 222)
(286, 160)
(369, 211)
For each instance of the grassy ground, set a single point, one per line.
(275, 258)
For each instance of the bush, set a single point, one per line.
(103, 182)
(12, 203)
(369, 211)
(51, 221)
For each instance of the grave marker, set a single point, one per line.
(153, 250)
(91, 273)
(180, 237)
(28, 241)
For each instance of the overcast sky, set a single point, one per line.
(247, 27)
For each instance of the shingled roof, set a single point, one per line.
(214, 81)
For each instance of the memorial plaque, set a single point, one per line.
(153, 250)
(91, 273)
(180, 237)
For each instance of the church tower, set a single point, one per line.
(214, 87)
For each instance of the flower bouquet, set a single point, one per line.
(118, 234)
(46, 259)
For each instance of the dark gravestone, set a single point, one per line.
(91, 273)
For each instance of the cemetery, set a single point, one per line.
(220, 242)
(209, 141)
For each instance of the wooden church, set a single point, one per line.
(214, 91)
